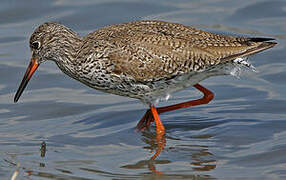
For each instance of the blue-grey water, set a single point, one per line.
(241, 134)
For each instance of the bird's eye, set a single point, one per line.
(36, 45)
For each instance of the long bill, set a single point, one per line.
(29, 72)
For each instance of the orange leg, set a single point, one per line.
(153, 115)
(160, 139)
(148, 118)
(160, 129)
(145, 121)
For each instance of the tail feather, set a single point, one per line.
(260, 39)
(261, 45)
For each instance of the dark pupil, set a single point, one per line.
(35, 45)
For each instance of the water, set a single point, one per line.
(90, 135)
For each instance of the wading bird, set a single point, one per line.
(147, 60)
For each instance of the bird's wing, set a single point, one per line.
(150, 50)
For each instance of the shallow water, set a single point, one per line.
(90, 135)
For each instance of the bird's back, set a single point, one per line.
(150, 59)
(151, 50)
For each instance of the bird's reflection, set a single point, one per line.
(201, 159)
(202, 162)
(160, 140)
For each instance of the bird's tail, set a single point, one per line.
(239, 62)
(257, 45)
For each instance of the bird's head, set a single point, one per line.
(47, 42)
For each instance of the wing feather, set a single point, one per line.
(152, 50)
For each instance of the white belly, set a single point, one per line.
(161, 90)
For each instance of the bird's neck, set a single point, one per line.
(66, 59)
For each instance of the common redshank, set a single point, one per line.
(147, 60)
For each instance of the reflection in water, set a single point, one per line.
(202, 161)
(49, 175)
(161, 143)
(43, 149)
(201, 158)
(43, 152)
(150, 116)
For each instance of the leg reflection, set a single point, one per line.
(161, 143)
(152, 115)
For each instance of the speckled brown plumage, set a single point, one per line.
(146, 60)
(148, 50)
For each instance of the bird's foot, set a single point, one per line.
(145, 122)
